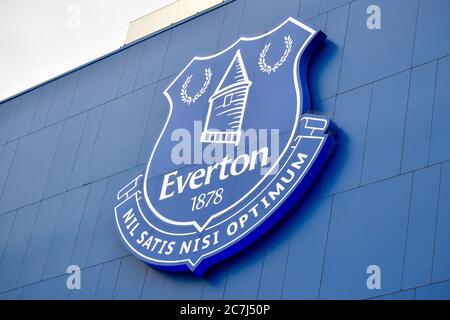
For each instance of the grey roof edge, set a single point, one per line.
(174, 25)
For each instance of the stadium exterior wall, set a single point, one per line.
(68, 145)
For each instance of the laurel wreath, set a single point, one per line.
(264, 67)
(184, 95)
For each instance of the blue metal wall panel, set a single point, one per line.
(327, 5)
(437, 291)
(62, 99)
(130, 70)
(43, 106)
(65, 232)
(440, 130)
(107, 280)
(326, 65)
(244, 274)
(441, 261)
(88, 223)
(214, 285)
(350, 250)
(152, 59)
(231, 24)
(106, 246)
(158, 114)
(88, 284)
(160, 286)
(308, 9)
(418, 117)
(319, 22)
(383, 144)
(401, 295)
(6, 221)
(29, 170)
(370, 55)
(24, 114)
(350, 115)
(7, 155)
(153, 285)
(40, 241)
(11, 295)
(120, 134)
(432, 23)
(79, 172)
(309, 230)
(421, 227)
(7, 113)
(54, 289)
(98, 83)
(16, 246)
(130, 279)
(186, 286)
(380, 200)
(66, 152)
(324, 107)
(262, 15)
(274, 263)
(197, 37)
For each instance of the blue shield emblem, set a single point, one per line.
(238, 149)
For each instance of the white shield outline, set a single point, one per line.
(298, 116)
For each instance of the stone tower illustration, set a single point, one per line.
(227, 105)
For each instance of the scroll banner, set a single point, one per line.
(146, 236)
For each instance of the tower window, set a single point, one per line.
(227, 101)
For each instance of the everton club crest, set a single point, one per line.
(237, 151)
